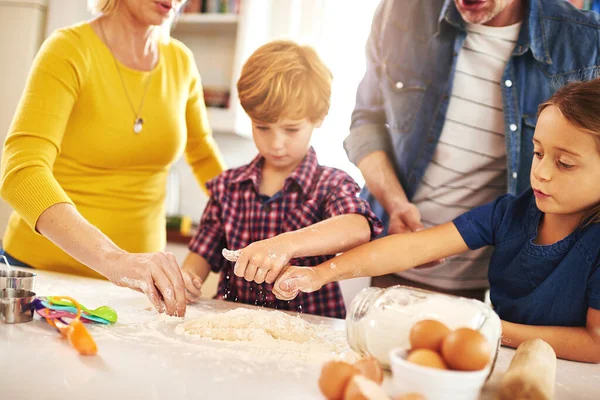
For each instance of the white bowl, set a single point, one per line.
(435, 384)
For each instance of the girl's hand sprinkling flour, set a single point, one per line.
(263, 261)
(294, 280)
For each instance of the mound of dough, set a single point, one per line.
(251, 325)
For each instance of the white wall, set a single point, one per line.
(21, 29)
(63, 13)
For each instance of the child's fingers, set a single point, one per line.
(240, 265)
(261, 273)
(274, 273)
(288, 285)
(251, 268)
(191, 298)
(284, 295)
(189, 279)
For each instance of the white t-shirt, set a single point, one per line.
(468, 167)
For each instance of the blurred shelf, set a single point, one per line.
(175, 236)
(192, 22)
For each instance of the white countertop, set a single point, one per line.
(141, 357)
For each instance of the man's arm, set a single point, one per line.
(368, 143)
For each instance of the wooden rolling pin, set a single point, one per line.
(531, 373)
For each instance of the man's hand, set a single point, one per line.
(406, 218)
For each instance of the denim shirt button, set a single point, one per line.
(399, 85)
(514, 175)
(508, 83)
(513, 127)
(430, 139)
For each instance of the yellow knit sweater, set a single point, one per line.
(72, 141)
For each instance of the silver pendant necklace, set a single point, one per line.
(138, 122)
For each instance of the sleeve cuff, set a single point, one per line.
(34, 194)
(594, 301)
(366, 139)
(468, 232)
(208, 249)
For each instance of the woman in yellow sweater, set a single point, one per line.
(108, 107)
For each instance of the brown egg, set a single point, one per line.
(466, 349)
(335, 376)
(362, 388)
(370, 368)
(426, 358)
(410, 396)
(428, 334)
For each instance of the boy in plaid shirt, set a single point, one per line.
(282, 208)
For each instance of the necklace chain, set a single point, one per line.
(138, 122)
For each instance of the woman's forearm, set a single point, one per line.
(63, 225)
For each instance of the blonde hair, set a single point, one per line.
(102, 6)
(579, 103)
(283, 79)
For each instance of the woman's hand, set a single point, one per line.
(157, 275)
(294, 280)
(263, 261)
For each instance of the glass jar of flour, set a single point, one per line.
(380, 320)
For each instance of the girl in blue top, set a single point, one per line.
(544, 273)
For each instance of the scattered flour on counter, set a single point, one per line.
(250, 336)
(250, 326)
(270, 334)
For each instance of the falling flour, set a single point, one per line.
(231, 255)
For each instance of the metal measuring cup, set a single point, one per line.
(16, 295)
(16, 305)
(13, 279)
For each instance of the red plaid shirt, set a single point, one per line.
(238, 215)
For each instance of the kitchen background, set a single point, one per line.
(221, 40)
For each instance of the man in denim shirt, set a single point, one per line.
(446, 111)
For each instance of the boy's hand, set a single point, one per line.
(193, 285)
(294, 280)
(263, 261)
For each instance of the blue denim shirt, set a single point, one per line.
(529, 283)
(412, 51)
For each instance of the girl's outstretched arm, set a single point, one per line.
(394, 253)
